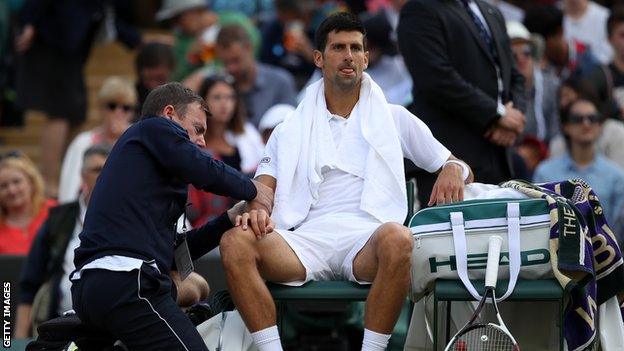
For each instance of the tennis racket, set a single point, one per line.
(477, 336)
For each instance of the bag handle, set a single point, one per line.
(513, 239)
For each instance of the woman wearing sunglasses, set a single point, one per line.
(23, 207)
(117, 101)
(581, 125)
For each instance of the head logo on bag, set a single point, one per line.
(478, 260)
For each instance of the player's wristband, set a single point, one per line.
(465, 169)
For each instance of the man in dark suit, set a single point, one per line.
(466, 87)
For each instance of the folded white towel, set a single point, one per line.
(305, 145)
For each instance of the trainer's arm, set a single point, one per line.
(205, 238)
(170, 145)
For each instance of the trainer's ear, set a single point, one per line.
(168, 111)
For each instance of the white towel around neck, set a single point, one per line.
(302, 151)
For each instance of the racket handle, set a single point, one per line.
(491, 270)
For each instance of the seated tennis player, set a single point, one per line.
(336, 165)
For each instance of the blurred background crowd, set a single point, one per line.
(73, 76)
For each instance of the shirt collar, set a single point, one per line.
(330, 115)
(593, 166)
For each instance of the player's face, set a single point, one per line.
(343, 60)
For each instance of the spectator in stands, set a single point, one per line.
(608, 80)
(23, 206)
(542, 121)
(50, 260)
(474, 106)
(287, 39)
(189, 19)
(44, 285)
(195, 30)
(611, 141)
(565, 57)
(10, 113)
(389, 15)
(261, 86)
(385, 65)
(54, 45)
(116, 102)
(154, 66)
(581, 125)
(586, 21)
(274, 116)
(510, 12)
(229, 138)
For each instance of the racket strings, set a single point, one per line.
(484, 338)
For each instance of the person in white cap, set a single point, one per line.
(541, 114)
(195, 29)
(270, 119)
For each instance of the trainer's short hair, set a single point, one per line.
(174, 94)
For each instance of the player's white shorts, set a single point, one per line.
(327, 246)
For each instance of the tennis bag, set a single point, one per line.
(451, 242)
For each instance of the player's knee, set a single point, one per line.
(233, 239)
(235, 247)
(395, 242)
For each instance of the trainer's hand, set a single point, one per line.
(259, 221)
(236, 211)
(449, 187)
(264, 198)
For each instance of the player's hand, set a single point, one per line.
(449, 187)
(264, 198)
(258, 220)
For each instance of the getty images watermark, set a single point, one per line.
(6, 314)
